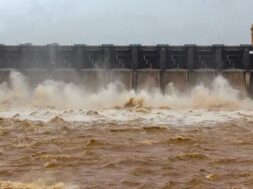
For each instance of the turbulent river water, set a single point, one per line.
(59, 136)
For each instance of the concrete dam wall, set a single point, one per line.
(137, 67)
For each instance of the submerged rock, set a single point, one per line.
(92, 113)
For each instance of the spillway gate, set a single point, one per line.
(136, 66)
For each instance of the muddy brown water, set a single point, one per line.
(59, 154)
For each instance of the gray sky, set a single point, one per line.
(126, 21)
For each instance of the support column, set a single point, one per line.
(24, 56)
(246, 59)
(52, 53)
(135, 61)
(162, 65)
(218, 57)
(79, 57)
(190, 62)
(190, 57)
(134, 65)
(107, 58)
(246, 65)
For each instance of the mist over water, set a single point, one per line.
(51, 93)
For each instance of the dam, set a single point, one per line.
(136, 66)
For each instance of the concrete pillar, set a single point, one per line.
(246, 64)
(135, 61)
(107, 57)
(190, 56)
(134, 80)
(246, 59)
(162, 62)
(250, 87)
(190, 61)
(162, 58)
(218, 57)
(247, 83)
(79, 57)
(4, 58)
(134, 66)
(24, 56)
(52, 54)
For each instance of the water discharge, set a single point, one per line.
(58, 135)
(68, 95)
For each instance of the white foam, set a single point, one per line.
(155, 116)
(67, 95)
(52, 98)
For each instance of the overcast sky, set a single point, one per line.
(126, 21)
